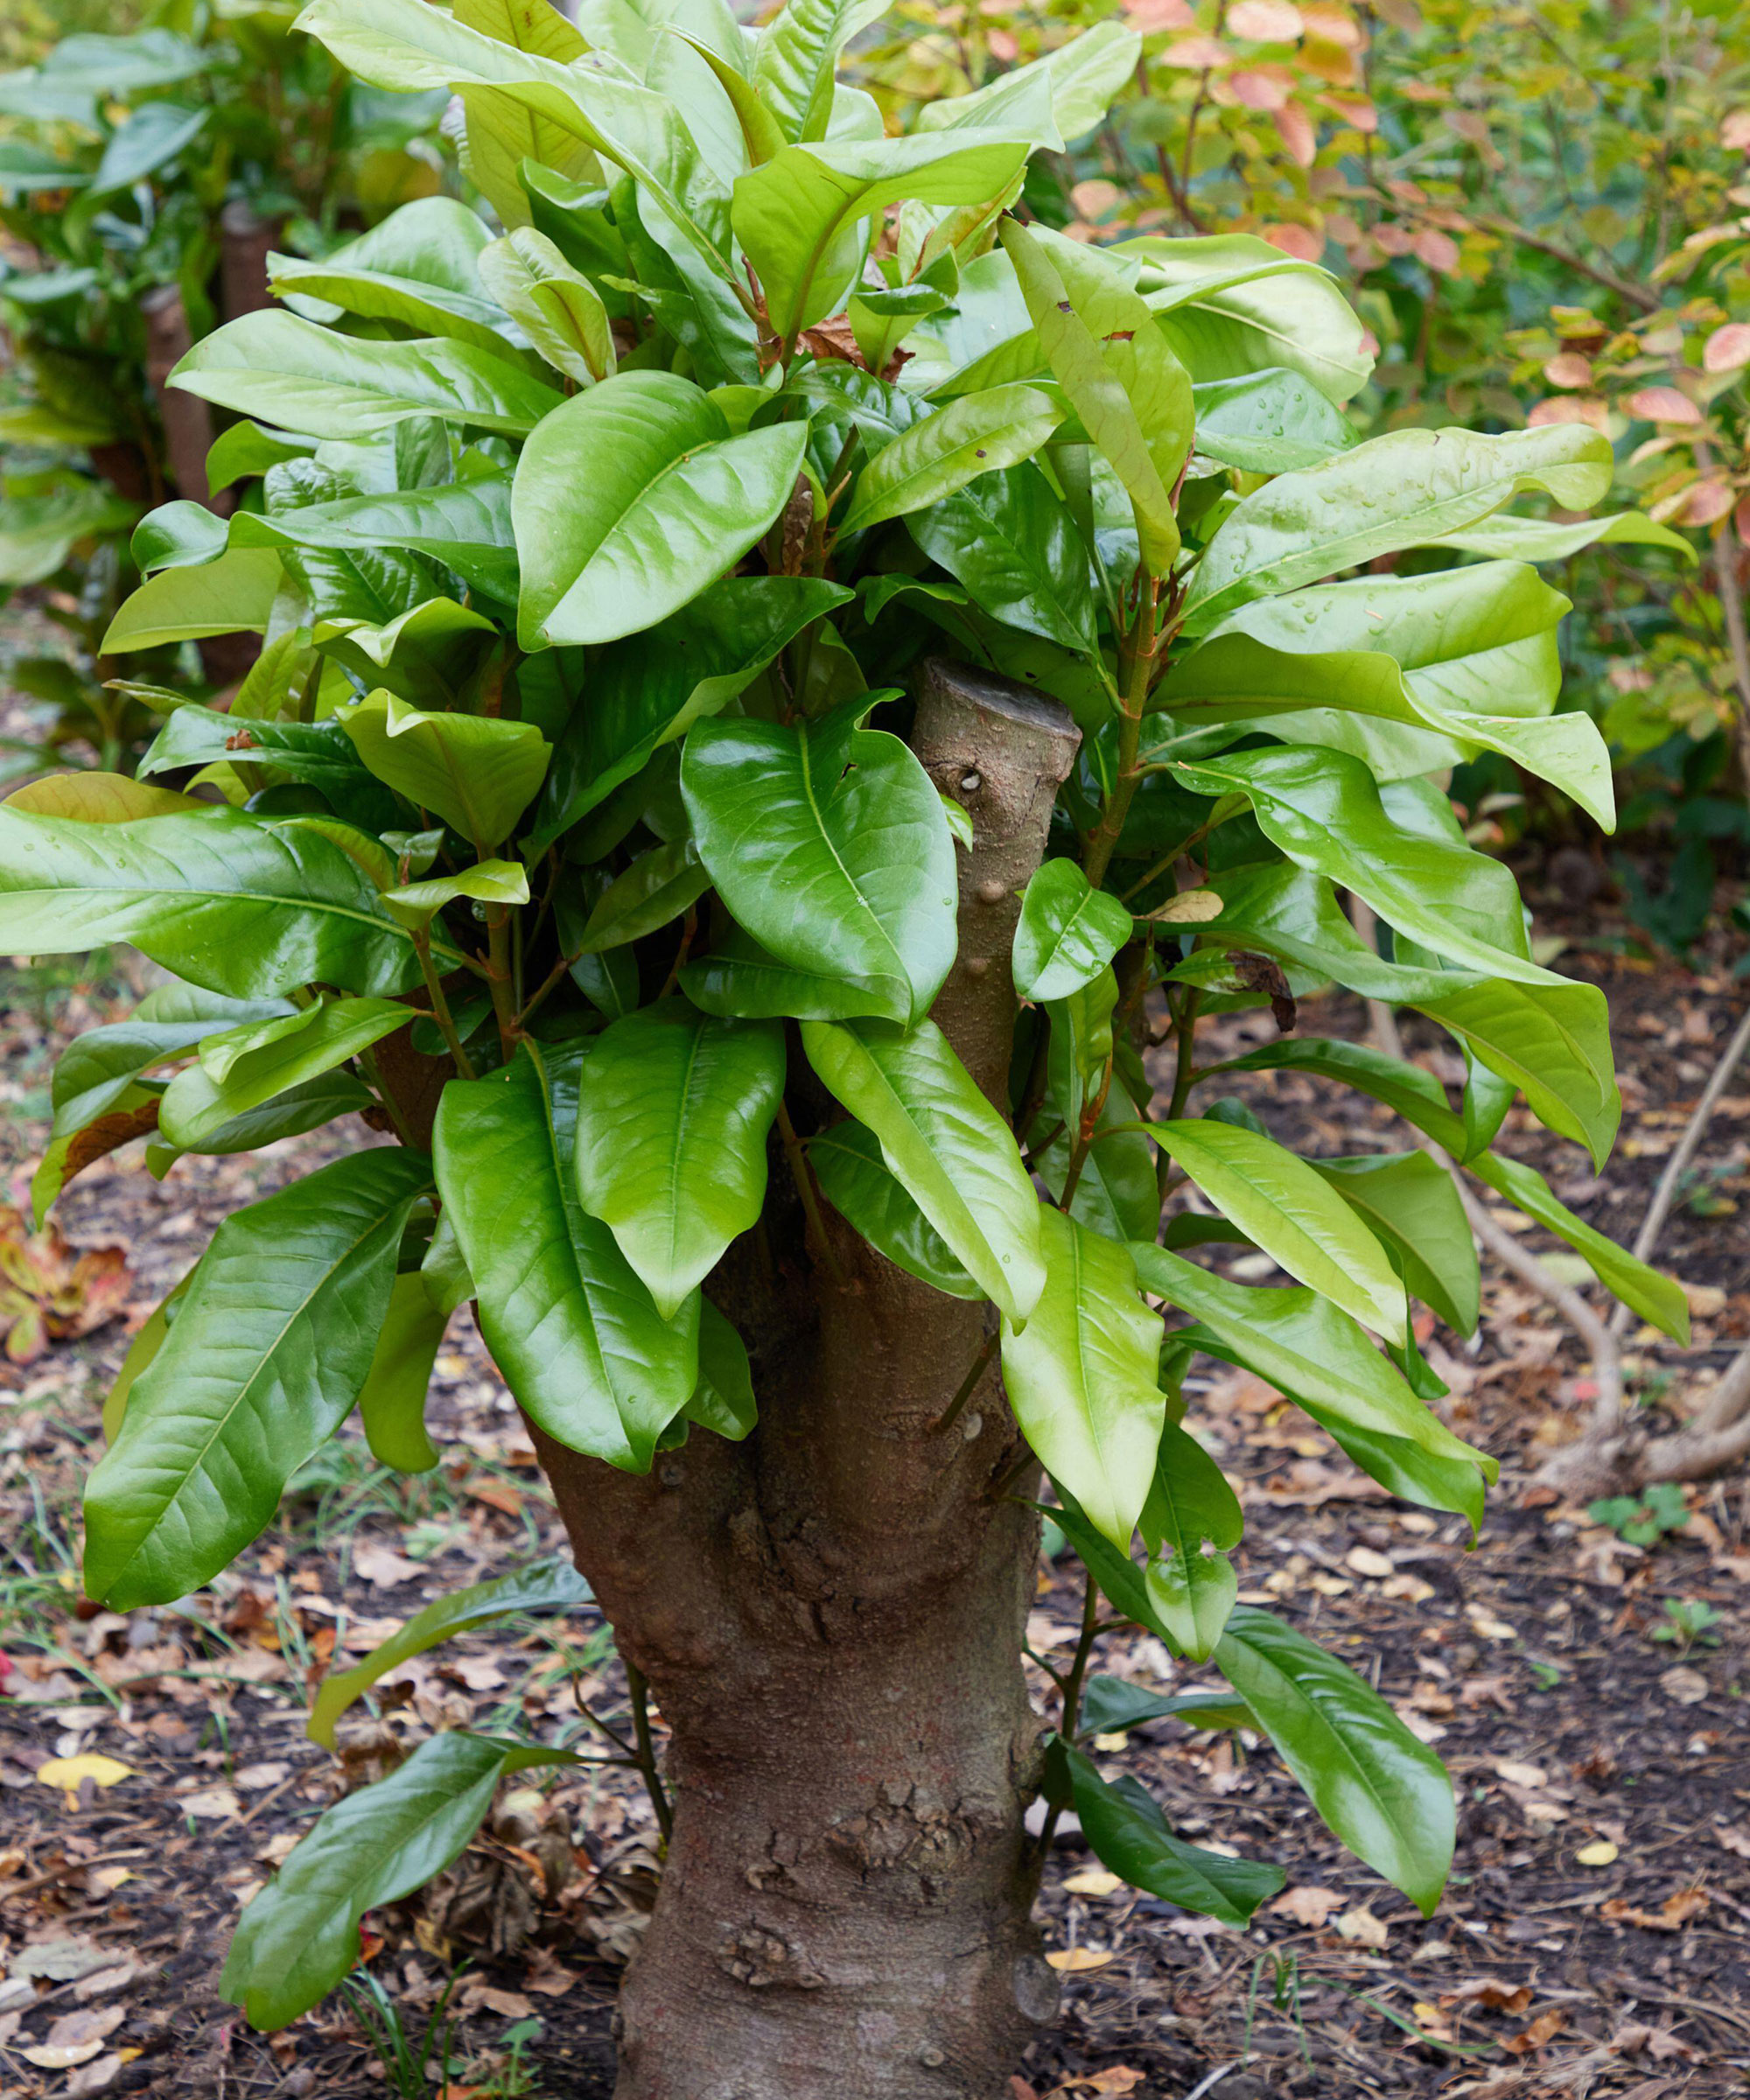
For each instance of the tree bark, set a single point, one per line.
(830, 1614)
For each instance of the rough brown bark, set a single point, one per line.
(245, 242)
(830, 1615)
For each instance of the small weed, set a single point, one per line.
(404, 2068)
(510, 2076)
(1642, 1521)
(1688, 1620)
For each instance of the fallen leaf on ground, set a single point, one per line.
(545, 1972)
(253, 1778)
(215, 1803)
(1543, 2030)
(74, 2028)
(54, 2057)
(1688, 1687)
(1075, 1960)
(1364, 1560)
(1736, 1839)
(1308, 1906)
(1488, 1625)
(1120, 2079)
(1363, 1928)
(96, 2078)
(1604, 1853)
(1491, 1994)
(1095, 1882)
(1517, 1775)
(73, 1772)
(1671, 1916)
(60, 1961)
(385, 1569)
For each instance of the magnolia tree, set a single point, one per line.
(779, 678)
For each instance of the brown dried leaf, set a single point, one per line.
(1542, 2031)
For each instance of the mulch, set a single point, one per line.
(1595, 1937)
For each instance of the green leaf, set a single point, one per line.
(261, 1365)
(300, 1935)
(1487, 1097)
(799, 216)
(1066, 934)
(580, 1343)
(835, 873)
(1015, 549)
(176, 535)
(1550, 540)
(392, 1399)
(1129, 1835)
(316, 753)
(1117, 1192)
(415, 904)
(740, 980)
(463, 524)
(290, 373)
(1081, 77)
(1655, 1298)
(1395, 490)
(1306, 1347)
(631, 499)
(479, 773)
(557, 307)
(975, 435)
(672, 1122)
(419, 268)
(197, 1102)
(1384, 1794)
(723, 1401)
(1189, 1501)
(648, 690)
(232, 595)
(1409, 1203)
(946, 1146)
(1271, 422)
(228, 903)
(796, 59)
(1081, 1376)
(98, 1067)
(300, 1108)
(1110, 1706)
(1416, 1095)
(552, 1584)
(1132, 394)
(148, 137)
(141, 1352)
(656, 888)
(1282, 1205)
(855, 1178)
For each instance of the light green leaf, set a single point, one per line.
(672, 1122)
(1081, 77)
(835, 873)
(947, 1146)
(273, 1341)
(1550, 540)
(1081, 1377)
(392, 1399)
(656, 888)
(557, 308)
(1395, 490)
(796, 58)
(544, 1585)
(1014, 548)
(567, 1322)
(232, 595)
(1409, 1203)
(978, 434)
(1190, 1502)
(1655, 1298)
(300, 1935)
(855, 1178)
(198, 1103)
(633, 498)
(1384, 1794)
(1066, 934)
(723, 1401)
(479, 773)
(293, 373)
(740, 981)
(415, 904)
(98, 1067)
(419, 268)
(1416, 1095)
(463, 524)
(1272, 421)
(1279, 1203)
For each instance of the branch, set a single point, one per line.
(1637, 296)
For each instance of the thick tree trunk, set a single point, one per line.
(831, 1618)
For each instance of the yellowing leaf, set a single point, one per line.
(71, 1772)
(1095, 1881)
(1602, 1853)
(1076, 1960)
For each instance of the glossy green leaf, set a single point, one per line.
(293, 373)
(1272, 421)
(799, 216)
(300, 1935)
(835, 873)
(1407, 1201)
(419, 268)
(415, 904)
(975, 435)
(306, 1106)
(1306, 1347)
(1384, 1794)
(264, 1360)
(723, 1401)
(98, 1067)
(392, 1399)
(656, 888)
(463, 524)
(556, 306)
(175, 536)
(1393, 492)
(232, 595)
(1189, 1501)
(795, 59)
(1416, 1095)
(233, 906)
(1014, 548)
(1066, 934)
(1112, 1705)
(1081, 1376)
(631, 499)
(552, 1584)
(196, 1104)
(1129, 1835)
(569, 1323)
(946, 1146)
(1551, 539)
(1117, 1192)
(673, 1115)
(479, 773)
(1081, 77)
(855, 1178)
(740, 980)
(1282, 1205)
(1655, 1298)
